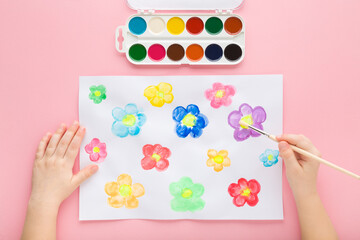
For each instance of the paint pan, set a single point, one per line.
(151, 38)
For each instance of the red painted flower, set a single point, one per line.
(96, 150)
(245, 192)
(156, 156)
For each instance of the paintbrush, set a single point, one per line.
(301, 151)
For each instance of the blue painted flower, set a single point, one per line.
(269, 157)
(189, 121)
(127, 121)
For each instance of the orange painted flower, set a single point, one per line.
(159, 95)
(218, 160)
(123, 192)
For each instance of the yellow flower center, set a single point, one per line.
(219, 94)
(97, 93)
(160, 94)
(156, 157)
(187, 193)
(125, 190)
(248, 119)
(246, 192)
(270, 157)
(96, 149)
(189, 120)
(219, 159)
(129, 120)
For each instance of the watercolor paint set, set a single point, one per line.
(151, 38)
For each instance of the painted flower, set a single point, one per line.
(187, 195)
(127, 121)
(218, 160)
(189, 121)
(269, 157)
(159, 95)
(245, 192)
(156, 156)
(220, 95)
(97, 93)
(254, 117)
(97, 150)
(123, 192)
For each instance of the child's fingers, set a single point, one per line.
(66, 139)
(42, 146)
(300, 141)
(55, 140)
(288, 155)
(74, 147)
(84, 174)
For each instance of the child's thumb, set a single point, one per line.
(84, 174)
(288, 155)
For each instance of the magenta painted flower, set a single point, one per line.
(97, 150)
(156, 156)
(254, 117)
(220, 95)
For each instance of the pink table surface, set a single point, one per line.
(46, 45)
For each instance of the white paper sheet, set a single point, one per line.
(189, 155)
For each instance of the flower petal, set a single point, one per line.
(226, 162)
(150, 92)
(196, 132)
(239, 201)
(124, 179)
(168, 98)
(245, 109)
(119, 129)
(131, 202)
(234, 119)
(201, 121)
(216, 103)
(193, 109)
(241, 134)
(226, 101)
(94, 157)
(147, 163)
(185, 182)
(234, 189)
(141, 119)
(209, 94)
(162, 164)
(101, 88)
(118, 114)
(131, 109)
(254, 186)
(218, 86)
(165, 87)
(148, 150)
(179, 113)
(182, 130)
(133, 131)
(112, 188)
(196, 204)
(210, 162)
(259, 115)
(254, 133)
(175, 189)
(157, 101)
(212, 153)
(138, 190)
(197, 190)
(95, 142)
(162, 151)
(179, 204)
(243, 183)
(116, 201)
(218, 167)
(89, 148)
(223, 153)
(230, 90)
(252, 200)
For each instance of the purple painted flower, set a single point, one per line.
(254, 117)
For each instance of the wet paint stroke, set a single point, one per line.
(97, 93)
(128, 121)
(245, 192)
(218, 160)
(155, 156)
(96, 150)
(253, 116)
(189, 121)
(123, 192)
(187, 195)
(159, 95)
(269, 157)
(220, 95)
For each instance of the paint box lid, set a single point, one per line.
(184, 4)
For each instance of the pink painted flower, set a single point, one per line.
(156, 156)
(245, 192)
(97, 150)
(220, 95)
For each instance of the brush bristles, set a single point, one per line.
(244, 124)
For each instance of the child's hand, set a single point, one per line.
(300, 170)
(53, 179)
